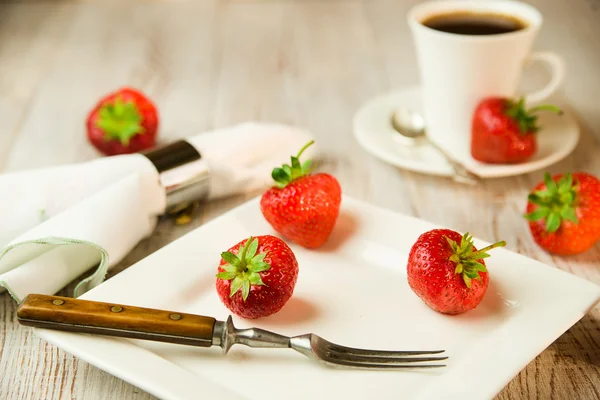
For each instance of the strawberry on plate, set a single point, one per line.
(564, 213)
(123, 122)
(257, 276)
(504, 131)
(447, 272)
(302, 207)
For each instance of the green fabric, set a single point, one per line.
(86, 284)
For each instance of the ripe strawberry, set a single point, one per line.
(256, 277)
(123, 122)
(564, 213)
(450, 278)
(503, 131)
(302, 207)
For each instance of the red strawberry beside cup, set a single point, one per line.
(564, 213)
(504, 131)
(257, 276)
(123, 122)
(302, 207)
(447, 272)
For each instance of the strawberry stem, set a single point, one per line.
(501, 243)
(466, 260)
(289, 173)
(526, 119)
(545, 107)
(306, 146)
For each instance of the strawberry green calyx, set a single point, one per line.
(466, 259)
(120, 120)
(287, 174)
(556, 203)
(243, 268)
(527, 119)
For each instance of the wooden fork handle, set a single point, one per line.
(69, 314)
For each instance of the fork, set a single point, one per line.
(69, 314)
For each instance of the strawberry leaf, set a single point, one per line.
(479, 266)
(467, 280)
(229, 268)
(259, 267)
(569, 214)
(537, 214)
(523, 126)
(226, 275)
(296, 167)
(236, 284)
(565, 183)
(230, 258)
(543, 194)
(245, 289)
(458, 269)
(472, 274)
(534, 198)
(550, 184)
(242, 250)
(567, 198)
(288, 171)
(251, 252)
(255, 279)
(279, 175)
(306, 167)
(552, 222)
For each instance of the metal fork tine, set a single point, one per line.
(382, 366)
(378, 353)
(382, 360)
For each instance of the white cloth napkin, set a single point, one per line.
(58, 222)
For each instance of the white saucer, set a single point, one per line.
(374, 132)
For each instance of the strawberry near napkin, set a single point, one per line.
(58, 222)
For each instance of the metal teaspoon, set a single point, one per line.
(411, 126)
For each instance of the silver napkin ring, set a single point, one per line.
(183, 173)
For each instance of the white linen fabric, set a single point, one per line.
(58, 222)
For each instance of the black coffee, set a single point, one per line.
(471, 23)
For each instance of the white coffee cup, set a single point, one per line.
(457, 71)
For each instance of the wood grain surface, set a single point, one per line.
(310, 63)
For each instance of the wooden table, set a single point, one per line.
(310, 63)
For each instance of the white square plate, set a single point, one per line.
(354, 292)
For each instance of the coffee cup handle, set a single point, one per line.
(557, 66)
